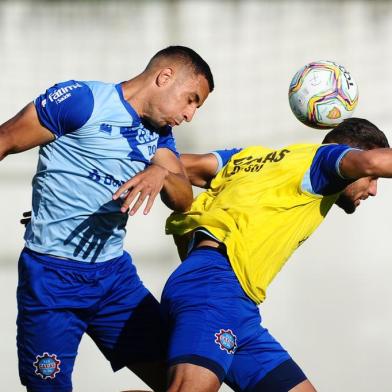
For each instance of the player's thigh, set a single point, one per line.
(304, 386)
(129, 329)
(263, 365)
(208, 313)
(47, 347)
(48, 330)
(134, 336)
(186, 377)
(47, 337)
(132, 332)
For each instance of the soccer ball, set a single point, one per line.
(322, 94)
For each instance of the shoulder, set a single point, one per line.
(65, 106)
(324, 173)
(328, 156)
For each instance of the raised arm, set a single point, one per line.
(166, 176)
(370, 163)
(22, 132)
(177, 191)
(200, 168)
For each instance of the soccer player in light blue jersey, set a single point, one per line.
(105, 150)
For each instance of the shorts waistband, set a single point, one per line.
(50, 260)
(220, 249)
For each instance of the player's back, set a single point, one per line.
(259, 207)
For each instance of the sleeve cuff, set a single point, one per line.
(219, 159)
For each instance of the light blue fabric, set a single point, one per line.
(101, 143)
(224, 156)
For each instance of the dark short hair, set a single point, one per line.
(187, 56)
(358, 133)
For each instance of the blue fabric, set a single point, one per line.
(214, 324)
(97, 149)
(59, 300)
(281, 379)
(166, 140)
(324, 177)
(223, 156)
(65, 107)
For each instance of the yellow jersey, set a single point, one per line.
(257, 206)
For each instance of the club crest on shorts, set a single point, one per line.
(47, 366)
(226, 340)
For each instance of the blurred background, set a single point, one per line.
(331, 306)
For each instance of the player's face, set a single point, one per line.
(359, 190)
(178, 100)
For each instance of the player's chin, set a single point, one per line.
(350, 209)
(347, 205)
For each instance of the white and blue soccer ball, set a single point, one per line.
(322, 94)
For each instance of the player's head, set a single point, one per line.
(362, 134)
(357, 133)
(181, 81)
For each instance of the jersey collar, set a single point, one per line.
(135, 117)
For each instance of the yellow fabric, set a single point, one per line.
(256, 206)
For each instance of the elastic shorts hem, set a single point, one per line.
(48, 388)
(200, 361)
(281, 379)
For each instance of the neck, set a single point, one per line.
(135, 92)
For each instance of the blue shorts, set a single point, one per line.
(59, 300)
(214, 324)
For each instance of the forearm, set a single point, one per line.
(372, 163)
(200, 168)
(177, 192)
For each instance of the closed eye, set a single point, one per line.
(194, 98)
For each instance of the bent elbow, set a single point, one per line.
(179, 202)
(3, 153)
(7, 144)
(186, 206)
(184, 203)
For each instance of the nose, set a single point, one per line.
(189, 113)
(373, 187)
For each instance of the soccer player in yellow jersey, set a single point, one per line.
(259, 207)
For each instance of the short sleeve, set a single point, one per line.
(65, 107)
(325, 177)
(166, 140)
(224, 156)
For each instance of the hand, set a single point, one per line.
(90, 236)
(26, 218)
(146, 184)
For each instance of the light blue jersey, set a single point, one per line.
(101, 142)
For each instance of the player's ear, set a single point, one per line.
(164, 76)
